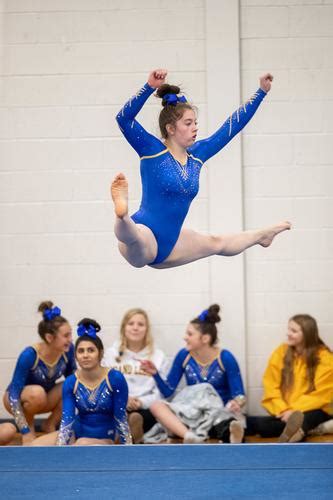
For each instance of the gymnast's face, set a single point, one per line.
(295, 336)
(185, 130)
(61, 341)
(87, 355)
(193, 338)
(136, 330)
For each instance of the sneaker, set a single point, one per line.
(191, 438)
(135, 422)
(236, 432)
(293, 425)
(324, 428)
(297, 437)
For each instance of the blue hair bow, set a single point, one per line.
(173, 99)
(49, 314)
(203, 315)
(89, 330)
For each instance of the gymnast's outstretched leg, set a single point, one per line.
(136, 242)
(192, 246)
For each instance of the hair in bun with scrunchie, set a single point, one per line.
(174, 106)
(206, 322)
(52, 319)
(87, 329)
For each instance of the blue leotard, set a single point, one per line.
(167, 187)
(223, 374)
(32, 369)
(95, 412)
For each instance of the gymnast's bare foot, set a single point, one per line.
(268, 234)
(119, 194)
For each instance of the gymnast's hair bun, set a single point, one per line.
(47, 304)
(166, 89)
(88, 321)
(213, 314)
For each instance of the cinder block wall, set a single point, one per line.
(67, 67)
(288, 172)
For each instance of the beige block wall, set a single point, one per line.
(288, 172)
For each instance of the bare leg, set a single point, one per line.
(33, 400)
(54, 405)
(137, 244)
(7, 433)
(92, 441)
(168, 419)
(192, 246)
(46, 440)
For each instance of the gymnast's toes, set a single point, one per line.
(119, 194)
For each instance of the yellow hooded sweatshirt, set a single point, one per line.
(298, 398)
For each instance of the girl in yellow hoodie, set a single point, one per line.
(298, 383)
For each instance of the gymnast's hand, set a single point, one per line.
(148, 367)
(266, 82)
(133, 404)
(157, 78)
(233, 406)
(285, 415)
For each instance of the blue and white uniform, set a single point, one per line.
(222, 373)
(32, 369)
(168, 187)
(95, 412)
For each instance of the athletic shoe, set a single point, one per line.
(191, 438)
(294, 424)
(324, 428)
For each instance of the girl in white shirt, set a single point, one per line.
(136, 344)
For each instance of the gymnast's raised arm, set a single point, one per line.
(207, 148)
(142, 141)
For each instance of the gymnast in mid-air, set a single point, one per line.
(170, 170)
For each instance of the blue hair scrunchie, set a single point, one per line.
(89, 330)
(173, 99)
(203, 315)
(49, 314)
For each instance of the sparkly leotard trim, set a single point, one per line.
(222, 373)
(168, 187)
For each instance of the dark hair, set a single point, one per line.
(49, 326)
(170, 113)
(208, 325)
(312, 345)
(95, 340)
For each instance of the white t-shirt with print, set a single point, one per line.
(140, 385)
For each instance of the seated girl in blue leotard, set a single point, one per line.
(202, 362)
(94, 398)
(34, 388)
(170, 171)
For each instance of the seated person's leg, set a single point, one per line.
(7, 433)
(314, 418)
(265, 426)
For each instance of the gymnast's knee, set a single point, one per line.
(34, 399)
